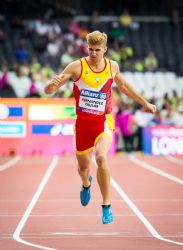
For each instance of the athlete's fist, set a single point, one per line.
(151, 108)
(52, 86)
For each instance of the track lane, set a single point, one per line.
(58, 220)
(145, 186)
(17, 187)
(164, 164)
(71, 226)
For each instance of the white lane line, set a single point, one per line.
(10, 163)
(174, 160)
(155, 170)
(86, 234)
(90, 235)
(139, 214)
(17, 232)
(96, 200)
(89, 215)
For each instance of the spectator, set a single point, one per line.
(142, 119)
(166, 103)
(74, 27)
(151, 62)
(126, 52)
(53, 51)
(55, 28)
(21, 53)
(67, 57)
(35, 65)
(115, 32)
(125, 19)
(139, 65)
(4, 76)
(174, 100)
(33, 91)
(126, 124)
(67, 91)
(115, 51)
(42, 28)
(95, 21)
(83, 31)
(6, 89)
(80, 47)
(47, 71)
(53, 47)
(20, 83)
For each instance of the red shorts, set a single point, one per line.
(89, 129)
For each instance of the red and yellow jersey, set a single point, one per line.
(92, 90)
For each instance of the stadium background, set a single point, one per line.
(38, 39)
(39, 185)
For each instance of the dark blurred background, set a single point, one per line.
(39, 38)
(28, 8)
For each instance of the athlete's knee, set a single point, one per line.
(101, 160)
(84, 166)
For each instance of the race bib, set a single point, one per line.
(92, 101)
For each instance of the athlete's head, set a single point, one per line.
(97, 45)
(97, 38)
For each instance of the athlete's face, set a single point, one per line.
(96, 52)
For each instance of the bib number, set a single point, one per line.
(92, 101)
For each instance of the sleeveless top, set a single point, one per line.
(92, 91)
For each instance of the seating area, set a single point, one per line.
(164, 38)
(155, 84)
(33, 50)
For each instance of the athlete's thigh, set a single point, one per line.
(84, 159)
(103, 145)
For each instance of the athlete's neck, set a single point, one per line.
(96, 65)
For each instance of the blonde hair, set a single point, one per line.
(97, 38)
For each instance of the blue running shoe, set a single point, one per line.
(85, 193)
(107, 215)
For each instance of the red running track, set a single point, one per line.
(40, 207)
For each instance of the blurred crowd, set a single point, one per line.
(32, 51)
(131, 118)
(41, 48)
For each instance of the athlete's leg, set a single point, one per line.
(84, 167)
(103, 172)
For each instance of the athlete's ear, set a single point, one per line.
(105, 49)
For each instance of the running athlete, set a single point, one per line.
(92, 80)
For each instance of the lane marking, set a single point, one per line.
(98, 200)
(103, 234)
(155, 170)
(56, 235)
(90, 215)
(17, 232)
(139, 214)
(174, 160)
(10, 163)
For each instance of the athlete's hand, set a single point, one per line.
(151, 108)
(52, 86)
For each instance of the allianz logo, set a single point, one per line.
(94, 94)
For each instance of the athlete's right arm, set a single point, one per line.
(72, 71)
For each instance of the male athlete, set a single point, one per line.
(92, 80)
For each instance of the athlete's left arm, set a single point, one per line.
(128, 90)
